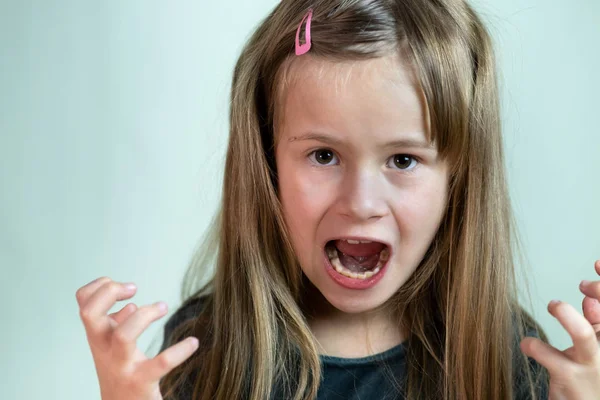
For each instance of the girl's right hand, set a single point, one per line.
(124, 372)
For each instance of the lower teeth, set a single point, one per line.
(337, 265)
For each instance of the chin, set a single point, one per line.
(363, 303)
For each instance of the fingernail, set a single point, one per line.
(130, 286)
(161, 305)
(554, 302)
(194, 341)
(584, 283)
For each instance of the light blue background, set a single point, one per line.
(113, 127)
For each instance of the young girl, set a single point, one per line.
(364, 246)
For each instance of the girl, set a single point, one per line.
(364, 246)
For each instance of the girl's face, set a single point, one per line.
(353, 163)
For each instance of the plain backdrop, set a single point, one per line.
(113, 130)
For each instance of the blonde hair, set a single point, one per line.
(461, 304)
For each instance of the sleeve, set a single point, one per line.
(188, 310)
(538, 372)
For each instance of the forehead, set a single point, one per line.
(380, 93)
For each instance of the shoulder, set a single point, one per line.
(189, 310)
(539, 375)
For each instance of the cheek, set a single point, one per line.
(304, 204)
(302, 198)
(420, 214)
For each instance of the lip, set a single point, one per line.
(351, 283)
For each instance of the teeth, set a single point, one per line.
(358, 241)
(337, 265)
(331, 252)
(385, 254)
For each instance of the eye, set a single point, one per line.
(404, 161)
(322, 156)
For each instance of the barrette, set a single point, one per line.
(304, 48)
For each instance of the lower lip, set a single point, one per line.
(351, 283)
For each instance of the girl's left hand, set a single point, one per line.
(574, 372)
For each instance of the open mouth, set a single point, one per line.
(357, 259)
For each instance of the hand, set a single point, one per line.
(124, 372)
(574, 372)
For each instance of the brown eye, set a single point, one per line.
(403, 161)
(323, 156)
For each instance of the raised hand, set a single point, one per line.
(124, 371)
(574, 372)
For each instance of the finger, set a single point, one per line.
(597, 266)
(590, 304)
(122, 314)
(545, 354)
(93, 313)
(591, 312)
(590, 288)
(84, 292)
(125, 335)
(157, 367)
(583, 335)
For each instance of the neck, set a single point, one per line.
(345, 335)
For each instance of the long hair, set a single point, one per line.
(460, 305)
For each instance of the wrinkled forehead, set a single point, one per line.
(328, 78)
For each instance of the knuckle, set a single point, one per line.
(82, 291)
(532, 344)
(577, 373)
(585, 333)
(103, 280)
(135, 382)
(79, 296)
(129, 379)
(85, 314)
(113, 287)
(569, 371)
(163, 361)
(146, 308)
(149, 310)
(142, 312)
(119, 336)
(110, 289)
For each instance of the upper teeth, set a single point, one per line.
(358, 241)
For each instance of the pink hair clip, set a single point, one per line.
(304, 48)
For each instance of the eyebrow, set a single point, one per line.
(405, 142)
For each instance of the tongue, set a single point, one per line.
(359, 257)
(359, 250)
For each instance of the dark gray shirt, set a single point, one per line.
(366, 378)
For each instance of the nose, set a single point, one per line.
(362, 196)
